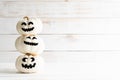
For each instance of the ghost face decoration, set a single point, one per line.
(30, 44)
(29, 26)
(29, 63)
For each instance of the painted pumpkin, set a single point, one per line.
(29, 26)
(30, 44)
(29, 63)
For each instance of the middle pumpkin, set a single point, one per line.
(31, 44)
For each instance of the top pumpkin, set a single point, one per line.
(29, 26)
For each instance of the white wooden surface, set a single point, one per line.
(68, 25)
(82, 38)
(81, 65)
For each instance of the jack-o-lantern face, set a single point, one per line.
(31, 41)
(30, 44)
(28, 66)
(29, 63)
(29, 26)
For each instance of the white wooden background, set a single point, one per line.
(84, 32)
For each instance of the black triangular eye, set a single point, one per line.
(30, 23)
(23, 23)
(32, 59)
(34, 38)
(28, 37)
(24, 59)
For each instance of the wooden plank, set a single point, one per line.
(43, 9)
(69, 42)
(36, 0)
(101, 66)
(57, 0)
(94, 0)
(52, 71)
(50, 0)
(64, 0)
(60, 9)
(64, 57)
(44, 0)
(68, 26)
(53, 57)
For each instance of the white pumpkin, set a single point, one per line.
(29, 26)
(30, 44)
(29, 63)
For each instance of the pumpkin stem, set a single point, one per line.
(28, 54)
(31, 54)
(26, 17)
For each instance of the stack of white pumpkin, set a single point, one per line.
(29, 44)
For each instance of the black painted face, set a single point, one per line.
(27, 24)
(31, 65)
(31, 41)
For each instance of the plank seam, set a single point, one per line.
(68, 51)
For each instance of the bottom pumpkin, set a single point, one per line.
(29, 63)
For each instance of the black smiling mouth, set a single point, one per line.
(26, 66)
(30, 43)
(27, 29)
